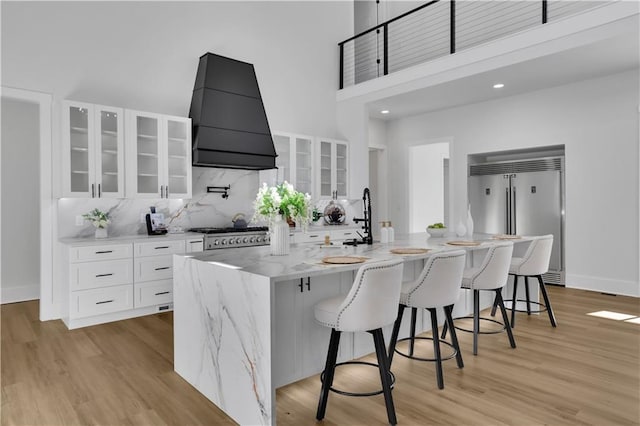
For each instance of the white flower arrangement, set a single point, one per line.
(97, 218)
(283, 200)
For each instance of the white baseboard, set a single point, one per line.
(604, 285)
(19, 293)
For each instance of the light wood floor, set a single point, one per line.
(587, 371)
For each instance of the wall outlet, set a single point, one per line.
(79, 220)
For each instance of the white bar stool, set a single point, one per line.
(369, 306)
(437, 286)
(534, 263)
(491, 275)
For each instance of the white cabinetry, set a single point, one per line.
(319, 235)
(93, 151)
(109, 281)
(158, 155)
(333, 166)
(302, 344)
(294, 162)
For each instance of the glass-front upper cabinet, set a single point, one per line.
(158, 156)
(333, 167)
(93, 145)
(304, 164)
(294, 162)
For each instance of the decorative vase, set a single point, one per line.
(469, 222)
(279, 242)
(101, 233)
(461, 230)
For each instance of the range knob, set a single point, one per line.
(216, 242)
(245, 240)
(224, 242)
(252, 240)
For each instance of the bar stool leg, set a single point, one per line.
(383, 363)
(329, 370)
(512, 341)
(445, 329)
(454, 338)
(526, 289)
(412, 340)
(394, 334)
(476, 320)
(514, 301)
(436, 347)
(543, 289)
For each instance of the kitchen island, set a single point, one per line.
(243, 319)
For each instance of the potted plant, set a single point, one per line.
(100, 220)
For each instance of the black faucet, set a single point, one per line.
(366, 200)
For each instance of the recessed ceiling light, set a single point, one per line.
(384, 111)
(498, 86)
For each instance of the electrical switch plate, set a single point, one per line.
(79, 220)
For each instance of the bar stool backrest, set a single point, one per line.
(439, 282)
(494, 271)
(373, 299)
(536, 259)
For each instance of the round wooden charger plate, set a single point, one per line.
(409, 250)
(506, 237)
(463, 243)
(343, 260)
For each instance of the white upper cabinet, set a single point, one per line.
(158, 155)
(333, 168)
(294, 162)
(93, 151)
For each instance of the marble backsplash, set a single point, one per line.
(204, 209)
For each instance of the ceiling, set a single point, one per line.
(594, 60)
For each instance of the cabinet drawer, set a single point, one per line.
(153, 268)
(153, 293)
(194, 245)
(344, 234)
(104, 252)
(88, 275)
(158, 248)
(101, 301)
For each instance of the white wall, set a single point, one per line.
(426, 184)
(597, 121)
(20, 279)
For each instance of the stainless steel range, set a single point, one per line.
(219, 238)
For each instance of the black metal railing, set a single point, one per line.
(439, 28)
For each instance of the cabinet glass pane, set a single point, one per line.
(79, 135)
(303, 165)
(341, 170)
(109, 150)
(325, 169)
(283, 159)
(177, 146)
(147, 153)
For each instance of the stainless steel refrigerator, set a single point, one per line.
(521, 198)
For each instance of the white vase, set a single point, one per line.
(469, 222)
(279, 234)
(101, 233)
(461, 230)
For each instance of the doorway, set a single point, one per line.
(428, 185)
(26, 203)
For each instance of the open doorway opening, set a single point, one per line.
(428, 185)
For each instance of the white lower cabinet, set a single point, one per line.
(302, 343)
(319, 235)
(106, 282)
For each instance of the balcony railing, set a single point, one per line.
(439, 28)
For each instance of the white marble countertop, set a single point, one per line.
(305, 260)
(83, 242)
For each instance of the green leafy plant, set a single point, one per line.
(438, 225)
(98, 218)
(282, 200)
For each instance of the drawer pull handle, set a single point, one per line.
(162, 247)
(104, 301)
(164, 267)
(314, 236)
(195, 242)
(162, 292)
(104, 251)
(103, 275)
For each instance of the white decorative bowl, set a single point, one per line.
(437, 232)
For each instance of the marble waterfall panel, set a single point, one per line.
(222, 337)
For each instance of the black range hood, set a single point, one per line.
(230, 127)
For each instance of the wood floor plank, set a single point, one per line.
(584, 372)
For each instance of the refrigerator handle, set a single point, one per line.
(507, 212)
(513, 228)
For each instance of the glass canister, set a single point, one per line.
(334, 213)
